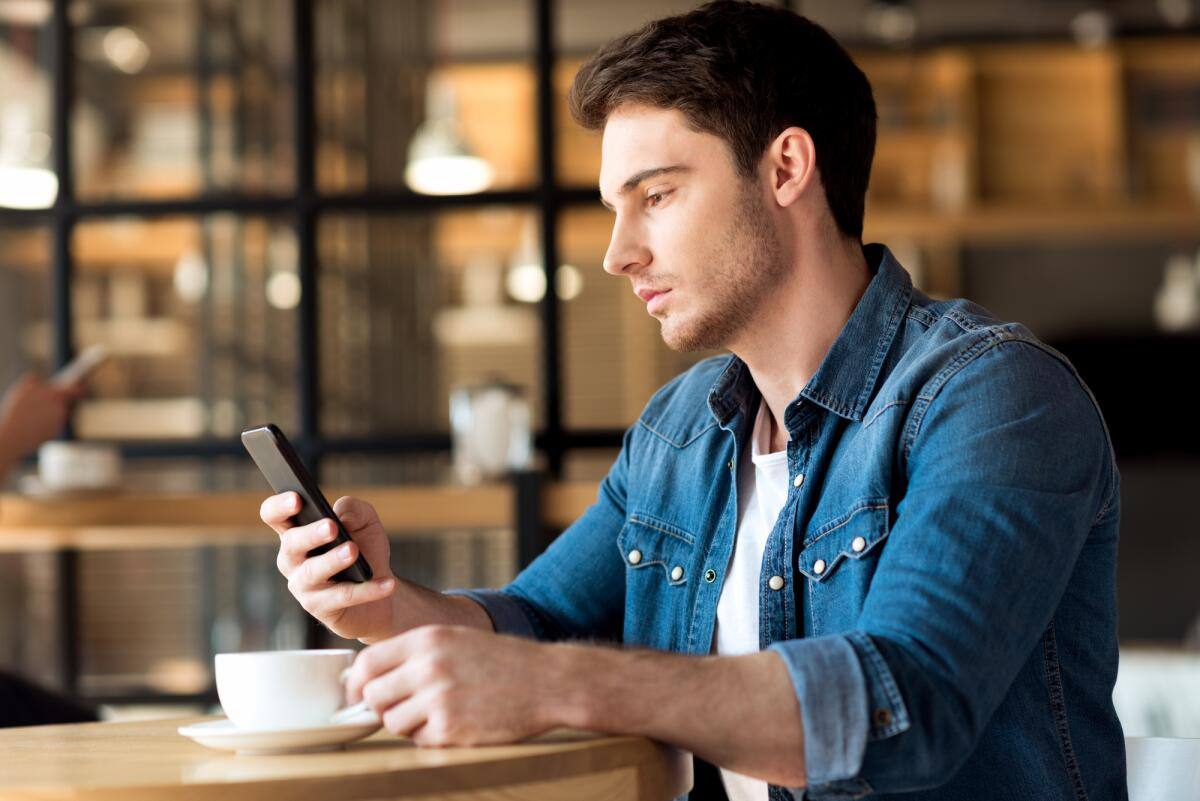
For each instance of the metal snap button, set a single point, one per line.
(775, 582)
(819, 566)
(676, 573)
(635, 556)
(710, 575)
(858, 544)
(882, 717)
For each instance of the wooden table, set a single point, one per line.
(150, 760)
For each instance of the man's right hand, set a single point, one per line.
(363, 611)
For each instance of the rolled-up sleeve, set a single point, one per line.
(575, 589)
(1009, 467)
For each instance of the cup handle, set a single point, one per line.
(353, 712)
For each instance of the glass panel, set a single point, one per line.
(174, 98)
(152, 620)
(27, 177)
(349, 471)
(434, 96)
(583, 27)
(578, 158)
(199, 318)
(26, 331)
(588, 464)
(26, 335)
(413, 305)
(613, 355)
(440, 559)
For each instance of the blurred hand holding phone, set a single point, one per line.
(80, 367)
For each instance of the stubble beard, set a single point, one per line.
(745, 270)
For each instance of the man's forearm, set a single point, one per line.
(739, 712)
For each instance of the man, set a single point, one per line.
(879, 539)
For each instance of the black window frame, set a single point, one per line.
(303, 208)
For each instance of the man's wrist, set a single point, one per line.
(463, 611)
(566, 690)
(601, 688)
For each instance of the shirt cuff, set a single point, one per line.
(847, 695)
(507, 615)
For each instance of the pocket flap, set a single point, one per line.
(851, 535)
(646, 542)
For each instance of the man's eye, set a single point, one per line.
(654, 198)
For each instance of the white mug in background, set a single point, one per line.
(78, 465)
(273, 690)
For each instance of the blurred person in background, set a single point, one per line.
(32, 411)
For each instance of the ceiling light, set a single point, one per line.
(1092, 28)
(26, 180)
(125, 50)
(283, 290)
(27, 187)
(439, 160)
(891, 22)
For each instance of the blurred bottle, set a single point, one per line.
(491, 434)
(1177, 304)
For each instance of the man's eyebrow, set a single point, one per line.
(637, 178)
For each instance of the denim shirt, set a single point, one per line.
(948, 549)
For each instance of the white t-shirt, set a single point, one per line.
(762, 492)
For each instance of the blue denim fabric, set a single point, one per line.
(948, 614)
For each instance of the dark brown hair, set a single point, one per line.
(744, 72)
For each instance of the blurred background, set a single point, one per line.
(331, 213)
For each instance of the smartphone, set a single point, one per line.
(81, 366)
(284, 471)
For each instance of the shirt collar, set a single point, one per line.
(846, 378)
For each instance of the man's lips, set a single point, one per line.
(647, 294)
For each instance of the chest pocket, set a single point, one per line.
(664, 549)
(839, 562)
(852, 536)
(658, 571)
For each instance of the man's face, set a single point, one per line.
(688, 227)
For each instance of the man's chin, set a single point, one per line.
(682, 339)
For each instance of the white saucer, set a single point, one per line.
(223, 735)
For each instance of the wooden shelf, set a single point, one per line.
(120, 520)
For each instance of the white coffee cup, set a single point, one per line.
(78, 465)
(264, 690)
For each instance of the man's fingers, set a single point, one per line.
(345, 594)
(405, 718)
(353, 512)
(277, 510)
(295, 543)
(318, 570)
(376, 660)
(389, 689)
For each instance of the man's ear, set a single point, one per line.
(792, 161)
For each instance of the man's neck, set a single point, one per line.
(788, 339)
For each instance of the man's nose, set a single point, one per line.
(625, 252)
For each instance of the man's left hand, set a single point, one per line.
(453, 685)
